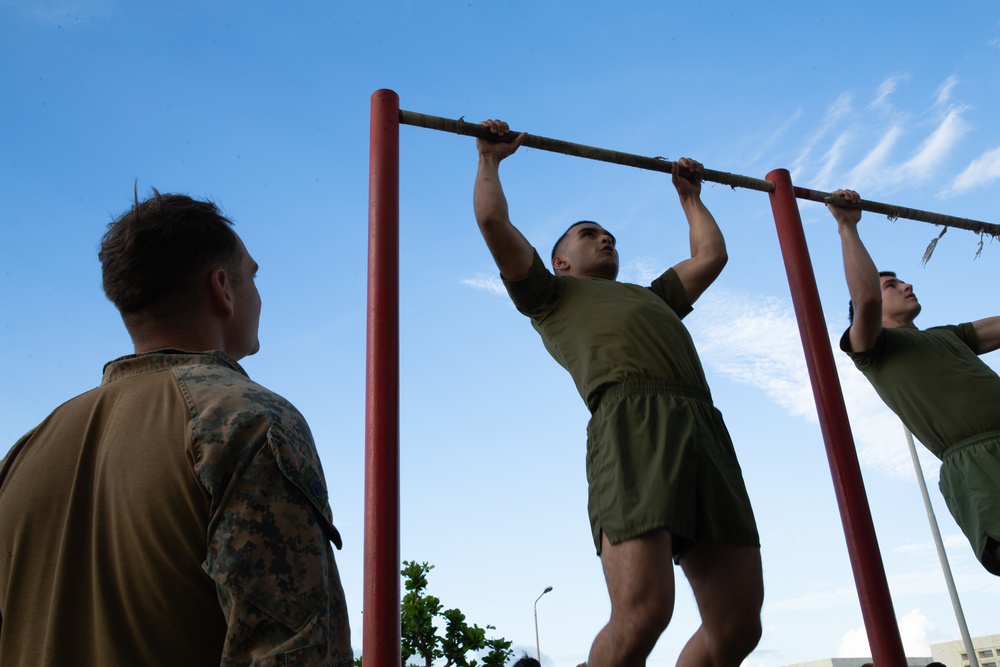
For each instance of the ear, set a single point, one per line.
(220, 285)
(560, 263)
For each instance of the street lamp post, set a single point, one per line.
(538, 650)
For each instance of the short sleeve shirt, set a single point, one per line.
(605, 332)
(934, 381)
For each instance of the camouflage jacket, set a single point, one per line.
(208, 535)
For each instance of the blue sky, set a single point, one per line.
(264, 108)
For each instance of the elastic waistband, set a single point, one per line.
(989, 436)
(644, 387)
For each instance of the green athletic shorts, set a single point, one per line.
(659, 456)
(970, 484)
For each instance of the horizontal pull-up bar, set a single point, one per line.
(893, 212)
(460, 126)
(577, 150)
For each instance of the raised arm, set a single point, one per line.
(862, 277)
(988, 334)
(511, 251)
(708, 247)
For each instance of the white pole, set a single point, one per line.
(970, 650)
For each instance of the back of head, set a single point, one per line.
(153, 255)
(527, 661)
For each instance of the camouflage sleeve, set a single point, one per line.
(269, 553)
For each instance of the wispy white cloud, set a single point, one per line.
(783, 128)
(825, 596)
(984, 170)
(765, 148)
(885, 89)
(831, 160)
(926, 161)
(955, 540)
(815, 598)
(875, 171)
(867, 147)
(490, 284)
(835, 113)
(641, 271)
(944, 91)
(759, 346)
(873, 165)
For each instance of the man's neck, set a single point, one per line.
(898, 324)
(191, 343)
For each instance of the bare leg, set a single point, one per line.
(640, 578)
(728, 586)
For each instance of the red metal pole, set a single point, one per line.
(381, 636)
(862, 544)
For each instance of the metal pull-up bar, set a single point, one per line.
(382, 559)
(460, 126)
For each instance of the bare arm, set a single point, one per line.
(988, 334)
(708, 247)
(511, 251)
(862, 276)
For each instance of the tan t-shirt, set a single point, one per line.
(175, 515)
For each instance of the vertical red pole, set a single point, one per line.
(380, 646)
(862, 545)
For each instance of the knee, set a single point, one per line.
(734, 640)
(747, 635)
(639, 627)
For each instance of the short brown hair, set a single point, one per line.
(555, 248)
(156, 249)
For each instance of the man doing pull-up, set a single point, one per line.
(663, 476)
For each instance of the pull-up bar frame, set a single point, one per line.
(381, 641)
(660, 164)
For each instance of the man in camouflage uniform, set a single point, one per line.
(177, 514)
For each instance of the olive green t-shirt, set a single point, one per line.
(934, 381)
(605, 332)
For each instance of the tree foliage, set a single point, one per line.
(422, 620)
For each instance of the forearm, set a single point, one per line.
(706, 239)
(864, 287)
(862, 275)
(488, 199)
(511, 251)
(708, 249)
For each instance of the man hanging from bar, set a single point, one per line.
(663, 476)
(933, 380)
